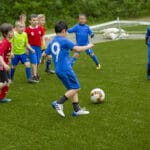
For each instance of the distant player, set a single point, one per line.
(82, 32)
(35, 34)
(20, 43)
(59, 48)
(147, 41)
(5, 53)
(41, 23)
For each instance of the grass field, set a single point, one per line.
(121, 123)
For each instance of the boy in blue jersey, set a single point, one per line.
(147, 41)
(59, 48)
(82, 32)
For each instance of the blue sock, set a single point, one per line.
(28, 73)
(95, 59)
(148, 69)
(48, 63)
(12, 72)
(73, 60)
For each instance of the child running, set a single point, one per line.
(20, 43)
(5, 52)
(59, 48)
(42, 21)
(35, 35)
(82, 32)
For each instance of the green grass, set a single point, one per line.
(121, 123)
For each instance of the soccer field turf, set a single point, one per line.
(121, 123)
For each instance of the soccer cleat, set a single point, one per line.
(35, 79)
(82, 111)
(98, 67)
(32, 81)
(58, 108)
(5, 100)
(50, 71)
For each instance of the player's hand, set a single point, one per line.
(90, 45)
(33, 51)
(92, 35)
(12, 55)
(6, 67)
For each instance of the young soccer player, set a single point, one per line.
(147, 41)
(20, 43)
(42, 21)
(5, 52)
(82, 32)
(35, 34)
(59, 48)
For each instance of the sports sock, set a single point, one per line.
(62, 100)
(76, 107)
(95, 59)
(3, 92)
(73, 60)
(28, 73)
(148, 69)
(12, 72)
(48, 63)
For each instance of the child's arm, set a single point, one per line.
(3, 63)
(44, 55)
(72, 30)
(82, 48)
(91, 33)
(30, 48)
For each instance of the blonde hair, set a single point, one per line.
(19, 23)
(41, 16)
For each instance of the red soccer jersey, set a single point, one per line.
(43, 29)
(5, 51)
(34, 35)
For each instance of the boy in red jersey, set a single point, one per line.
(35, 34)
(41, 22)
(5, 52)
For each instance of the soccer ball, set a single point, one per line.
(97, 95)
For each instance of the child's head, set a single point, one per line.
(22, 18)
(41, 19)
(82, 19)
(7, 30)
(19, 26)
(61, 28)
(33, 20)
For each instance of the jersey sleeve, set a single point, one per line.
(48, 50)
(3, 47)
(90, 32)
(26, 39)
(69, 44)
(72, 30)
(148, 33)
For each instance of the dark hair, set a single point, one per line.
(81, 15)
(33, 16)
(5, 28)
(59, 26)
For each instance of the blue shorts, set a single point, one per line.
(23, 58)
(35, 57)
(69, 79)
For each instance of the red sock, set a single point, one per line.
(3, 92)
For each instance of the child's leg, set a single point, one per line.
(14, 63)
(4, 90)
(93, 56)
(28, 70)
(74, 58)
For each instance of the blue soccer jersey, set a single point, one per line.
(82, 33)
(59, 48)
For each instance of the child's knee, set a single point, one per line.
(27, 64)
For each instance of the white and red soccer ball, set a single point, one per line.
(97, 95)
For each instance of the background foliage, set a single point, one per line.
(96, 10)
